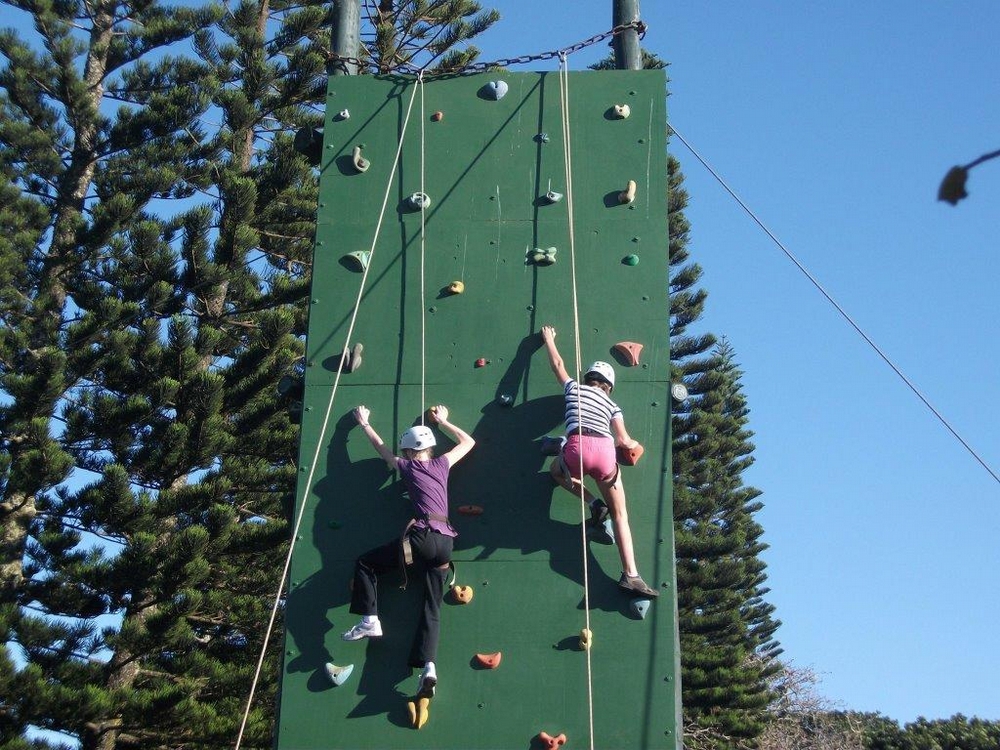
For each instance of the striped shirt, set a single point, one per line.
(593, 408)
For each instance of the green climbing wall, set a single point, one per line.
(487, 164)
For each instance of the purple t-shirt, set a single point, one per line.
(427, 483)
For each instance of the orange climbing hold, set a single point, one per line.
(630, 350)
(551, 742)
(629, 456)
(489, 661)
(461, 594)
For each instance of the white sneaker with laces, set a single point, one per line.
(364, 630)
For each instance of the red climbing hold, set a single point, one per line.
(482, 362)
(551, 742)
(489, 661)
(470, 510)
(630, 351)
(629, 456)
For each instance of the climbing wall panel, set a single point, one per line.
(486, 164)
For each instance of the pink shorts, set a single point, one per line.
(599, 459)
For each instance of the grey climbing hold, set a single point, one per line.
(358, 260)
(609, 529)
(542, 138)
(506, 400)
(621, 111)
(553, 197)
(360, 163)
(496, 90)
(639, 607)
(541, 257)
(338, 675)
(419, 201)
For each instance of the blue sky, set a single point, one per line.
(835, 123)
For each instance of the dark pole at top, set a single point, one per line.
(626, 44)
(345, 35)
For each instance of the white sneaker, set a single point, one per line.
(428, 680)
(364, 630)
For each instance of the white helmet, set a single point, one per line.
(603, 371)
(417, 438)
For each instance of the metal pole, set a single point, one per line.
(626, 44)
(345, 35)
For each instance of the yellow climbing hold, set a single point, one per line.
(419, 712)
(586, 639)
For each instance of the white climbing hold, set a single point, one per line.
(497, 89)
(628, 194)
(419, 201)
(358, 260)
(622, 111)
(640, 607)
(360, 163)
(553, 197)
(344, 114)
(338, 675)
(541, 257)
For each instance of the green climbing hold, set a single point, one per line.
(631, 260)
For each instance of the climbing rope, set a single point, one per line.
(843, 313)
(423, 253)
(326, 420)
(568, 162)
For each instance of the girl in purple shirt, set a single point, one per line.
(428, 537)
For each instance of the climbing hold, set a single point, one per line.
(550, 742)
(456, 287)
(630, 350)
(352, 361)
(639, 607)
(496, 90)
(631, 260)
(419, 712)
(338, 675)
(552, 445)
(541, 257)
(461, 594)
(679, 392)
(621, 111)
(470, 510)
(360, 163)
(419, 201)
(586, 639)
(358, 260)
(506, 400)
(542, 138)
(628, 194)
(437, 116)
(344, 114)
(481, 362)
(489, 661)
(629, 456)
(553, 197)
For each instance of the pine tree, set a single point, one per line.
(726, 628)
(141, 347)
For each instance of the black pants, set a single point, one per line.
(431, 550)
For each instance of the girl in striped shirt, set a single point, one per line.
(594, 426)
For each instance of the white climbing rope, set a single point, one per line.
(568, 160)
(423, 248)
(325, 424)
